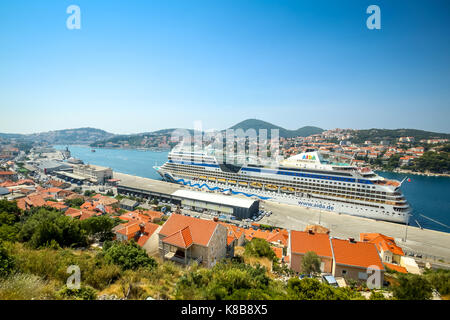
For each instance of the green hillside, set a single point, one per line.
(285, 133)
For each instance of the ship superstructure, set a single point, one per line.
(306, 179)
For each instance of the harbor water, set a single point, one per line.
(428, 196)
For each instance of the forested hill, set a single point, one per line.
(376, 135)
(284, 133)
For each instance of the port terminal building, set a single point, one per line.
(239, 207)
(236, 206)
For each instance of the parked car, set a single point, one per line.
(329, 279)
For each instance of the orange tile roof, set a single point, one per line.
(6, 173)
(181, 238)
(201, 230)
(396, 267)
(73, 212)
(233, 232)
(281, 237)
(278, 251)
(53, 190)
(129, 229)
(360, 254)
(86, 214)
(382, 242)
(56, 205)
(302, 242)
(36, 200)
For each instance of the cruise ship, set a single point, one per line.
(306, 179)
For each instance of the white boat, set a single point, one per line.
(306, 179)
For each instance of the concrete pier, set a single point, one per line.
(434, 245)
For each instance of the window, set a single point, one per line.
(344, 272)
(362, 275)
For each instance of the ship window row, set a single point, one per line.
(364, 197)
(190, 169)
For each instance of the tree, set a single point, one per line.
(259, 248)
(439, 279)
(312, 289)
(48, 226)
(9, 216)
(74, 203)
(7, 262)
(84, 293)
(311, 263)
(412, 287)
(228, 280)
(88, 193)
(99, 227)
(127, 255)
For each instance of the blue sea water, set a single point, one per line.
(428, 196)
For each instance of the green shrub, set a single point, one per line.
(7, 263)
(25, 287)
(84, 293)
(127, 255)
(259, 248)
(412, 287)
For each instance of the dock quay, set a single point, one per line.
(431, 245)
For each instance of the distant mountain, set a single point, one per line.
(66, 136)
(285, 133)
(377, 135)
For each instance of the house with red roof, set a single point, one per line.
(301, 242)
(7, 175)
(32, 200)
(352, 259)
(74, 213)
(57, 205)
(142, 215)
(185, 239)
(389, 251)
(235, 237)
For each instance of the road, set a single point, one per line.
(429, 243)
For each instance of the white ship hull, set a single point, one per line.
(302, 200)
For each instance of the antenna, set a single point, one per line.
(403, 180)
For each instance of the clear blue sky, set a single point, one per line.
(139, 66)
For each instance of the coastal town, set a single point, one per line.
(178, 224)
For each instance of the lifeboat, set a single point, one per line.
(287, 189)
(256, 184)
(232, 181)
(243, 183)
(271, 187)
(222, 180)
(212, 178)
(202, 177)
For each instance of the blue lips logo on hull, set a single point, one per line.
(199, 186)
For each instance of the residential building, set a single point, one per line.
(95, 174)
(301, 242)
(144, 233)
(386, 246)
(128, 204)
(185, 239)
(7, 176)
(352, 259)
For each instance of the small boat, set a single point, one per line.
(92, 150)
